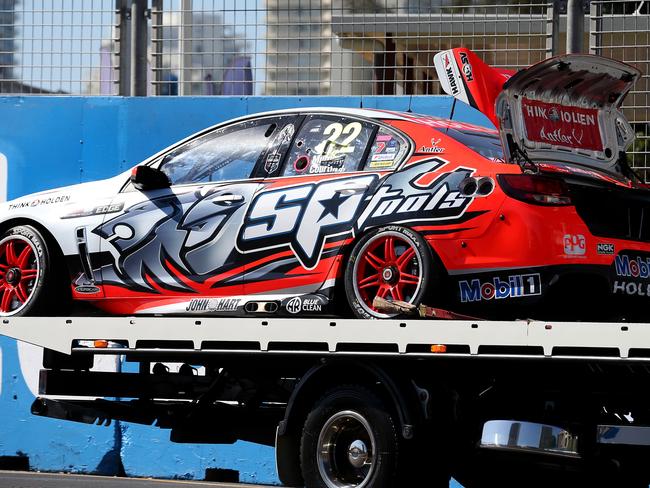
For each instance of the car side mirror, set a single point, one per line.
(148, 178)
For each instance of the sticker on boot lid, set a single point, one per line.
(566, 110)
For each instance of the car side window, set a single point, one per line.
(387, 151)
(328, 144)
(230, 153)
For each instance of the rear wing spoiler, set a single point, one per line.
(466, 77)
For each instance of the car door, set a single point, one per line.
(307, 209)
(179, 242)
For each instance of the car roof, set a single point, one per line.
(358, 112)
(372, 114)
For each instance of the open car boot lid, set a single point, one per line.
(563, 110)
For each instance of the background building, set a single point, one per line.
(299, 47)
(199, 50)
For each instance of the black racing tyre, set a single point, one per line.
(27, 281)
(390, 262)
(349, 440)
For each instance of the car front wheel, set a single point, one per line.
(25, 268)
(390, 262)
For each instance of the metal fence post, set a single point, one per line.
(595, 28)
(185, 43)
(157, 45)
(138, 47)
(553, 29)
(124, 53)
(574, 26)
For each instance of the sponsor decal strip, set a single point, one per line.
(213, 305)
(574, 245)
(514, 286)
(562, 125)
(39, 201)
(605, 248)
(635, 268)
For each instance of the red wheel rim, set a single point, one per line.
(388, 267)
(18, 273)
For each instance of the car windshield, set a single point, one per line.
(486, 144)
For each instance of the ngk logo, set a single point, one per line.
(512, 287)
(574, 244)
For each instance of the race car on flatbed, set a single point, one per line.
(310, 211)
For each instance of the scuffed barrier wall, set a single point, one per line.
(49, 445)
(49, 142)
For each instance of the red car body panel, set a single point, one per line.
(501, 253)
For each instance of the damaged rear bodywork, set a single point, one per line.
(562, 110)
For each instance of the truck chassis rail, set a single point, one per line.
(183, 335)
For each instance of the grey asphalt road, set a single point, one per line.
(13, 479)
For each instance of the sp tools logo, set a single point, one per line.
(303, 217)
(514, 286)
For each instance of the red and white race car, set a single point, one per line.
(312, 211)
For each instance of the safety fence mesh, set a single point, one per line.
(621, 30)
(301, 47)
(333, 47)
(261, 47)
(58, 46)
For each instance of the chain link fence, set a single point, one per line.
(298, 47)
(260, 47)
(621, 30)
(332, 47)
(58, 46)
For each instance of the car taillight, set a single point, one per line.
(535, 189)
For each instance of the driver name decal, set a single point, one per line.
(557, 124)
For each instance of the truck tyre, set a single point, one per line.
(349, 440)
(390, 262)
(27, 281)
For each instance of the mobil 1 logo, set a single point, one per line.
(513, 286)
(632, 274)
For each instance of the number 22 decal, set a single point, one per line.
(332, 146)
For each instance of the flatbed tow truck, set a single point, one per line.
(356, 403)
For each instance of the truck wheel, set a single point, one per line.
(349, 440)
(25, 270)
(390, 262)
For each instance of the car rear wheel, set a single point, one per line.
(390, 262)
(25, 267)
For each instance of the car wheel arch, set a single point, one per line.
(51, 241)
(437, 270)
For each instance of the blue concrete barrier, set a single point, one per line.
(55, 141)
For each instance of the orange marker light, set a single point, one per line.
(438, 348)
(101, 344)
